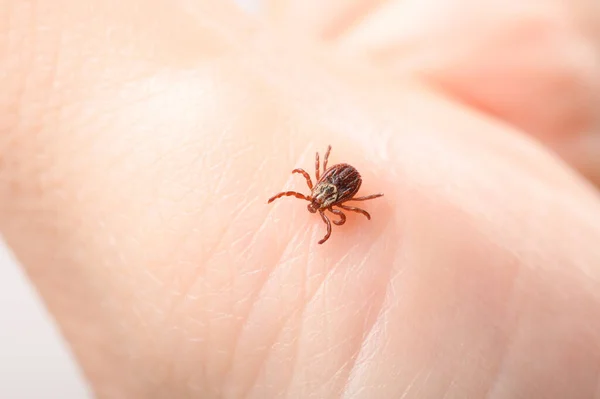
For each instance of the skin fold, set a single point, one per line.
(141, 141)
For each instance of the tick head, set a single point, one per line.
(323, 196)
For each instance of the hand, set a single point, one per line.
(141, 143)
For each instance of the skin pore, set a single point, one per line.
(141, 140)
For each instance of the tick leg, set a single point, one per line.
(328, 223)
(326, 158)
(368, 197)
(354, 209)
(341, 214)
(317, 167)
(306, 176)
(287, 194)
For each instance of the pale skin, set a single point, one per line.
(141, 139)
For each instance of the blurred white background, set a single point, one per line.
(35, 363)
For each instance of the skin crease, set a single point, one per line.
(140, 143)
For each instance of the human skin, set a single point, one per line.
(141, 141)
(532, 64)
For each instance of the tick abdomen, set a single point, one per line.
(345, 178)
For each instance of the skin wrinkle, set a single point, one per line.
(295, 312)
(457, 374)
(510, 298)
(268, 273)
(260, 287)
(239, 242)
(507, 352)
(269, 215)
(425, 380)
(222, 232)
(246, 391)
(367, 328)
(380, 318)
(511, 292)
(312, 254)
(501, 362)
(450, 386)
(192, 281)
(294, 361)
(251, 386)
(184, 293)
(321, 287)
(146, 332)
(411, 384)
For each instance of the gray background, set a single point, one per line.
(35, 363)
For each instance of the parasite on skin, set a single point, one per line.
(333, 189)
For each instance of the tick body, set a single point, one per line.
(337, 185)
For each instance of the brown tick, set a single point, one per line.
(339, 184)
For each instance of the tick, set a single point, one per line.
(336, 186)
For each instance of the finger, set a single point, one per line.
(321, 20)
(536, 67)
(500, 57)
